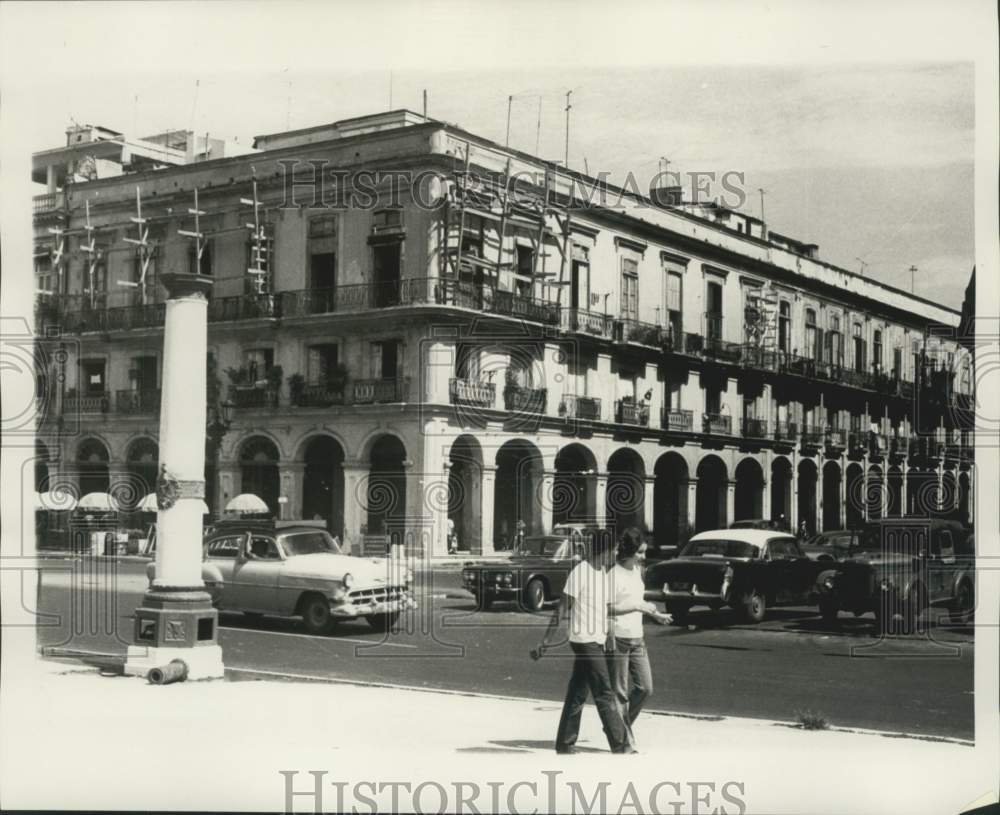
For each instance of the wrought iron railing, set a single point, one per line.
(812, 435)
(243, 307)
(717, 424)
(472, 392)
(378, 391)
(318, 394)
(580, 407)
(752, 428)
(251, 397)
(628, 412)
(88, 403)
(786, 431)
(640, 333)
(525, 400)
(137, 401)
(679, 421)
(586, 322)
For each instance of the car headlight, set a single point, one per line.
(886, 584)
(347, 580)
(828, 583)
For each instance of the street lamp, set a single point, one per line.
(220, 419)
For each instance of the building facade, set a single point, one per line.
(419, 325)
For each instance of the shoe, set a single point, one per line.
(566, 750)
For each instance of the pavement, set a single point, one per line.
(75, 736)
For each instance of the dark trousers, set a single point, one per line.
(590, 674)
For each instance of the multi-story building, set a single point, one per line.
(440, 327)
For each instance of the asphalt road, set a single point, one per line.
(716, 666)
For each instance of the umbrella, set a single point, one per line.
(100, 501)
(148, 504)
(54, 500)
(246, 503)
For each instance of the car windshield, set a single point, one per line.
(544, 547)
(308, 543)
(719, 547)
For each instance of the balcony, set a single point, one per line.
(580, 407)
(525, 400)
(318, 394)
(812, 435)
(586, 322)
(88, 403)
(786, 432)
(640, 333)
(718, 349)
(856, 442)
(753, 428)
(677, 421)
(137, 402)
(836, 439)
(899, 445)
(253, 397)
(472, 392)
(628, 412)
(242, 307)
(523, 307)
(46, 203)
(380, 391)
(717, 424)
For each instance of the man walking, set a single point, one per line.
(585, 601)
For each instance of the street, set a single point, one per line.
(716, 666)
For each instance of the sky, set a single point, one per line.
(870, 159)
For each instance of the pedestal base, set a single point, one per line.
(203, 661)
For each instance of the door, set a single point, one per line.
(802, 573)
(713, 312)
(255, 579)
(386, 268)
(323, 270)
(221, 553)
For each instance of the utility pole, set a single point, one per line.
(913, 280)
(510, 101)
(762, 221)
(538, 129)
(568, 107)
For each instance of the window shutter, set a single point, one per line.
(376, 360)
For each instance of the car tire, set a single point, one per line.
(963, 609)
(754, 606)
(678, 614)
(382, 622)
(316, 616)
(534, 595)
(828, 611)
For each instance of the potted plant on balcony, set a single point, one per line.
(296, 387)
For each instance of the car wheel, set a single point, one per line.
(963, 610)
(316, 617)
(828, 611)
(534, 595)
(382, 622)
(755, 606)
(678, 614)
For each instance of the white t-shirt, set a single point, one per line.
(588, 619)
(628, 588)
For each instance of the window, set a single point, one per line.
(713, 311)
(835, 342)
(713, 400)
(142, 373)
(675, 283)
(672, 388)
(877, 350)
(93, 381)
(323, 252)
(630, 289)
(385, 359)
(258, 361)
(387, 220)
(784, 326)
(860, 349)
(524, 281)
(897, 363)
(468, 363)
(580, 278)
(261, 284)
(814, 342)
(44, 281)
(224, 547)
(323, 360)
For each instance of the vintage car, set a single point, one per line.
(536, 572)
(300, 571)
(901, 568)
(757, 523)
(833, 545)
(746, 569)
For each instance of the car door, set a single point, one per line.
(255, 578)
(802, 572)
(773, 574)
(941, 566)
(221, 553)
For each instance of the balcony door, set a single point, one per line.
(630, 290)
(713, 311)
(143, 373)
(580, 279)
(385, 359)
(386, 266)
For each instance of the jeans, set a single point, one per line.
(631, 679)
(590, 673)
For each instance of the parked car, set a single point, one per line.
(746, 569)
(902, 568)
(833, 545)
(536, 572)
(757, 523)
(299, 571)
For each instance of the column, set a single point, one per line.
(652, 383)
(648, 503)
(176, 619)
(228, 484)
(940, 487)
(487, 495)
(355, 502)
(903, 505)
(600, 509)
(819, 494)
(292, 473)
(692, 506)
(556, 377)
(730, 501)
(864, 484)
(548, 499)
(843, 493)
(793, 510)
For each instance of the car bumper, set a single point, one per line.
(693, 595)
(347, 611)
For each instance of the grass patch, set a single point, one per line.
(809, 720)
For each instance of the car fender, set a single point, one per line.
(963, 574)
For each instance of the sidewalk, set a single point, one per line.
(73, 737)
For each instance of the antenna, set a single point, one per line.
(143, 247)
(194, 103)
(197, 236)
(864, 265)
(913, 271)
(568, 107)
(761, 190)
(538, 129)
(510, 101)
(425, 104)
(89, 251)
(257, 271)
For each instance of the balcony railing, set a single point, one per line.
(580, 407)
(836, 438)
(753, 428)
(678, 421)
(379, 391)
(137, 401)
(525, 400)
(47, 202)
(526, 308)
(318, 394)
(639, 332)
(717, 424)
(628, 412)
(856, 441)
(714, 348)
(472, 392)
(250, 397)
(243, 307)
(786, 431)
(899, 445)
(812, 435)
(586, 322)
(88, 403)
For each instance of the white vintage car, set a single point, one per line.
(300, 571)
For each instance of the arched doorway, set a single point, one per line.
(781, 492)
(41, 467)
(259, 471)
(575, 489)
(855, 496)
(516, 494)
(963, 498)
(387, 487)
(749, 498)
(670, 498)
(710, 507)
(873, 495)
(92, 464)
(625, 497)
(141, 461)
(807, 495)
(894, 499)
(323, 483)
(831, 495)
(465, 498)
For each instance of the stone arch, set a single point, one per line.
(807, 490)
(894, 493)
(873, 493)
(575, 486)
(713, 485)
(670, 500)
(465, 497)
(93, 461)
(322, 456)
(517, 495)
(258, 457)
(625, 495)
(749, 498)
(782, 492)
(855, 495)
(386, 493)
(831, 495)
